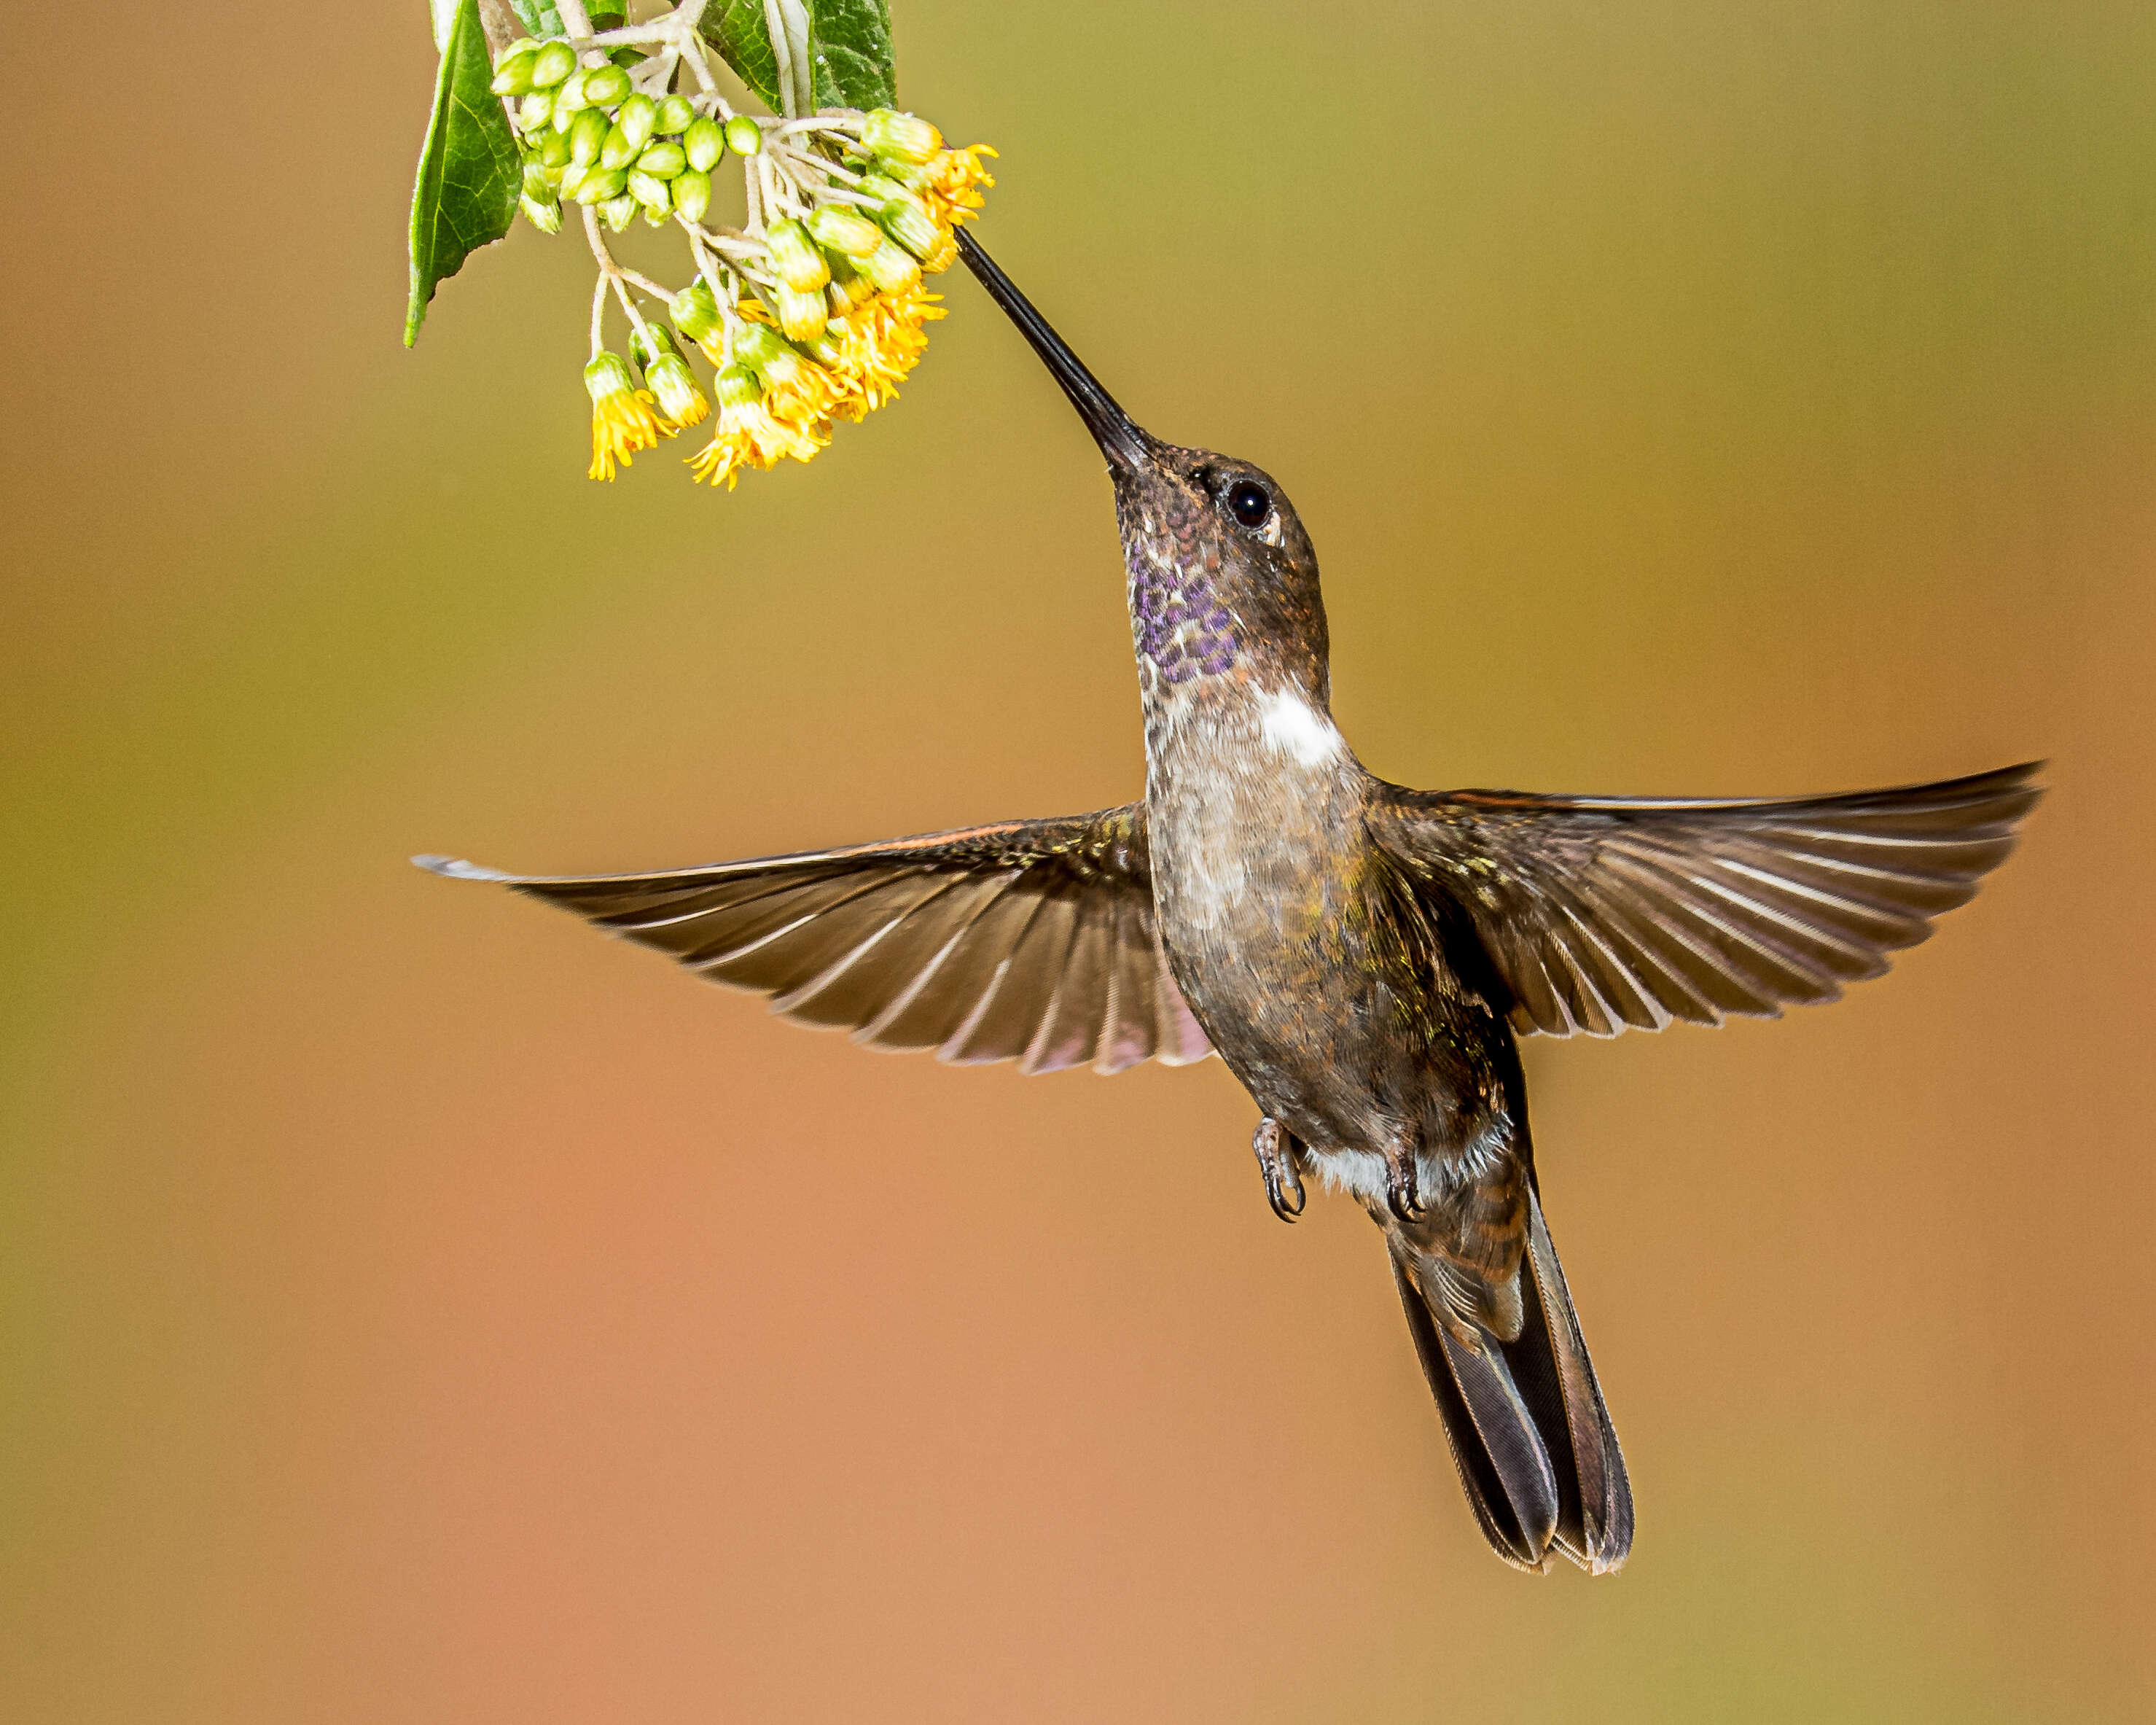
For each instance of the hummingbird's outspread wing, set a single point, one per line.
(1605, 912)
(1031, 940)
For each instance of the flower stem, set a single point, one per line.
(643, 284)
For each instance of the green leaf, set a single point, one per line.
(736, 28)
(541, 18)
(849, 47)
(538, 18)
(850, 42)
(470, 175)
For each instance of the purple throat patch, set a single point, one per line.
(1178, 625)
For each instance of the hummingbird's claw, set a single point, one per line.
(1403, 1184)
(1275, 1150)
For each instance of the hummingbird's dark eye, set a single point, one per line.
(1249, 504)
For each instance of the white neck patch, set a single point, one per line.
(1295, 728)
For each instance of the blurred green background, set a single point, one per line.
(413, 1307)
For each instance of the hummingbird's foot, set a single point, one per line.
(1275, 1148)
(1403, 1183)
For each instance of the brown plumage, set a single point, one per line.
(1362, 956)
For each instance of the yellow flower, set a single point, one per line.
(621, 419)
(751, 432)
(951, 186)
(881, 342)
(800, 424)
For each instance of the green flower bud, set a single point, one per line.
(825, 351)
(692, 193)
(587, 136)
(758, 346)
(554, 151)
(668, 376)
(795, 258)
(569, 100)
(653, 193)
(609, 375)
(802, 314)
(664, 159)
(695, 311)
(736, 386)
(638, 115)
(535, 111)
(676, 115)
(552, 64)
(912, 227)
(513, 76)
(892, 268)
(848, 287)
(744, 136)
(881, 187)
(787, 366)
(604, 86)
(535, 178)
(675, 386)
(840, 228)
(704, 143)
(599, 184)
(617, 152)
(544, 213)
(619, 212)
(902, 136)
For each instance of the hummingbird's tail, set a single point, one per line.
(1525, 1420)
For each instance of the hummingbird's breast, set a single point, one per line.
(1254, 819)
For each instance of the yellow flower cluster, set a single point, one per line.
(811, 311)
(843, 319)
(820, 324)
(808, 317)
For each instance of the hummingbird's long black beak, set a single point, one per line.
(1117, 434)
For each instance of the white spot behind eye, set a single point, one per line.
(1272, 532)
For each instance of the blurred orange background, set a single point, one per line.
(414, 1307)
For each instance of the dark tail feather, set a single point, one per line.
(1527, 1424)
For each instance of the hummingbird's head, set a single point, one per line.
(1222, 575)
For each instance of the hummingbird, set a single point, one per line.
(1364, 957)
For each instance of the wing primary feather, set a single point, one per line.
(1040, 1054)
(802, 994)
(959, 1050)
(712, 958)
(868, 1032)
